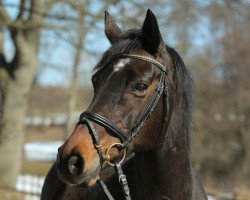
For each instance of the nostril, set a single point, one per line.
(75, 164)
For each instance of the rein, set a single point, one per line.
(125, 138)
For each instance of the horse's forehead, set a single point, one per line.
(121, 64)
(134, 64)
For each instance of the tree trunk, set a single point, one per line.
(13, 111)
(16, 90)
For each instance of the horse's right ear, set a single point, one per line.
(112, 31)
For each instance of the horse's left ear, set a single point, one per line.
(112, 31)
(151, 35)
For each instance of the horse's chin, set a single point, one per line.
(86, 179)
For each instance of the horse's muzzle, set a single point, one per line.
(70, 168)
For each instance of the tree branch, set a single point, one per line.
(29, 26)
(4, 16)
(36, 6)
(3, 63)
(3, 68)
(43, 14)
(51, 3)
(21, 10)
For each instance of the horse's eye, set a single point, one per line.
(139, 88)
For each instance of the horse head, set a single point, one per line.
(132, 85)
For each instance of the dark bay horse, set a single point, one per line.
(141, 112)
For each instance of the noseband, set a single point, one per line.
(125, 138)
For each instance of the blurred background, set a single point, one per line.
(48, 49)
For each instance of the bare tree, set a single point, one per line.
(223, 93)
(16, 75)
(16, 79)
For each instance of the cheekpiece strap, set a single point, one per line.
(123, 181)
(95, 138)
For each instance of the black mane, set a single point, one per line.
(184, 88)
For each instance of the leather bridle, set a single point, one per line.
(125, 138)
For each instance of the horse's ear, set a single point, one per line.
(151, 33)
(112, 31)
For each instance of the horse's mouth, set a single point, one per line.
(86, 179)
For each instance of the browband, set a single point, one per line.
(144, 58)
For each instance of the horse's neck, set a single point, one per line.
(165, 173)
(162, 178)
